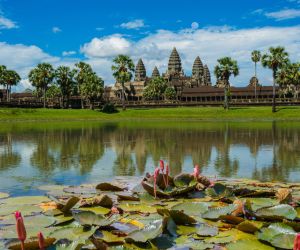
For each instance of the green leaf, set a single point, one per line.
(206, 230)
(192, 208)
(248, 245)
(258, 203)
(219, 191)
(280, 211)
(179, 217)
(216, 212)
(88, 218)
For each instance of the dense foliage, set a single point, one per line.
(155, 90)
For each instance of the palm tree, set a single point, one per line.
(225, 68)
(83, 72)
(275, 60)
(12, 78)
(65, 79)
(255, 56)
(123, 69)
(41, 77)
(2, 75)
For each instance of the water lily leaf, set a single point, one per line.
(96, 210)
(106, 186)
(257, 203)
(100, 200)
(284, 195)
(219, 191)
(183, 180)
(247, 244)
(186, 242)
(81, 190)
(216, 212)
(26, 209)
(282, 211)
(247, 227)
(108, 237)
(139, 207)
(3, 195)
(88, 218)
(279, 235)
(30, 244)
(127, 196)
(30, 200)
(235, 220)
(149, 232)
(162, 242)
(229, 236)
(62, 220)
(71, 202)
(73, 233)
(179, 217)
(206, 230)
(192, 208)
(150, 189)
(127, 227)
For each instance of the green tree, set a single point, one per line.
(41, 77)
(82, 76)
(155, 89)
(123, 69)
(170, 93)
(92, 89)
(275, 60)
(53, 92)
(66, 82)
(225, 68)
(2, 75)
(11, 78)
(255, 57)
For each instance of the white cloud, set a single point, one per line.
(106, 46)
(69, 53)
(56, 30)
(284, 14)
(194, 25)
(135, 24)
(6, 23)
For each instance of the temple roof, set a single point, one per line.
(140, 71)
(197, 68)
(174, 65)
(155, 72)
(206, 74)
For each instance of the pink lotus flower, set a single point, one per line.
(162, 167)
(41, 241)
(196, 172)
(297, 242)
(21, 231)
(156, 173)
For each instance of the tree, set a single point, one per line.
(155, 89)
(2, 75)
(288, 78)
(255, 56)
(82, 75)
(12, 78)
(92, 89)
(123, 69)
(170, 93)
(41, 77)
(225, 68)
(66, 82)
(275, 60)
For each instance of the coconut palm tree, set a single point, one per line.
(255, 56)
(65, 79)
(11, 78)
(123, 69)
(275, 60)
(41, 77)
(226, 67)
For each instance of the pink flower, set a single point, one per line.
(21, 231)
(41, 241)
(297, 242)
(196, 171)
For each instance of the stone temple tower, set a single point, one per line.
(155, 72)
(174, 66)
(197, 71)
(206, 73)
(140, 71)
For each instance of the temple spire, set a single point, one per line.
(155, 72)
(140, 71)
(174, 65)
(206, 75)
(197, 71)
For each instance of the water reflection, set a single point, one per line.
(87, 153)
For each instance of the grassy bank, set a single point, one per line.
(166, 114)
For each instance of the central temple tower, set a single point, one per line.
(174, 65)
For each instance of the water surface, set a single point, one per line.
(73, 153)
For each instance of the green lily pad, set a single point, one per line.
(248, 226)
(149, 232)
(139, 207)
(183, 180)
(30, 244)
(179, 217)
(192, 208)
(228, 236)
(107, 186)
(3, 195)
(25, 200)
(206, 230)
(247, 244)
(73, 233)
(88, 218)
(26, 209)
(219, 191)
(282, 211)
(96, 210)
(216, 212)
(257, 203)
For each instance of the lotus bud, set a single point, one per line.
(297, 242)
(41, 241)
(196, 171)
(20, 227)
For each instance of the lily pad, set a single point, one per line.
(106, 186)
(219, 191)
(192, 208)
(179, 217)
(216, 212)
(282, 211)
(248, 227)
(96, 210)
(88, 218)
(257, 203)
(3, 195)
(247, 244)
(30, 244)
(206, 230)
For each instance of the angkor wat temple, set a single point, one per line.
(197, 87)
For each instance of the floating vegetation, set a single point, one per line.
(188, 211)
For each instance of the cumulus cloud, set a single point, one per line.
(106, 46)
(284, 14)
(69, 53)
(135, 24)
(6, 23)
(56, 30)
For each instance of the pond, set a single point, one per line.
(34, 154)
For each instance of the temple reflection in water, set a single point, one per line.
(265, 151)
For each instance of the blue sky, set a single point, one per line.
(64, 32)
